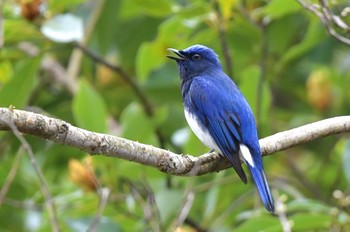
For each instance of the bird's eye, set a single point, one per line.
(196, 56)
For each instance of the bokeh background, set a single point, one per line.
(102, 66)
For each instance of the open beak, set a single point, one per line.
(179, 54)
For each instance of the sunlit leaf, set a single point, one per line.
(15, 27)
(6, 72)
(226, 8)
(61, 5)
(156, 8)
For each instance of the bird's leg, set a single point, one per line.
(213, 150)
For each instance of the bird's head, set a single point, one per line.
(195, 60)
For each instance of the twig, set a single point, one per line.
(104, 194)
(223, 40)
(263, 72)
(194, 225)
(144, 197)
(76, 57)
(27, 205)
(304, 180)
(10, 123)
(281, 213)
(141, 95)
(62, 132)
(11, 175)
(328, 19)
(185, 209)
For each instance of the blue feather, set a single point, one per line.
(219, 114)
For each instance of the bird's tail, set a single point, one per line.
(263, 188)
(259, 178)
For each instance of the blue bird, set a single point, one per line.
(219, 115)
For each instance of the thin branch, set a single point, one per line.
(166, 161)
(27, 204)
(141, 95)
(104, 195)
(184, 209)
(11, 125)
(194, 225)
(328, 19)
(11, 175)
(223, 40)
(281, 213)
(77, 55)
(263, 72)
(131, 81)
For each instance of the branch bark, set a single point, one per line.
(166, 161)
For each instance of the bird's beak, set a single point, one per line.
(179, 53)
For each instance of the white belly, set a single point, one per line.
(200, 132)
(205, 138)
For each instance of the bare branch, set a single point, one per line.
(11, 124)
(104, 195)
(166, 161)
(328, 18)
(11, 175)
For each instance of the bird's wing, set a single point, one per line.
(217, 110)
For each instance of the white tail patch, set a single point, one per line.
(245, 154)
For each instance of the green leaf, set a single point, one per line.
(17, 91)
(279, 8)
(313, 37)
(83, 223)
(166, 206)
(15, 27)
(307, 205)
(249, 85)
(149, 57)
(310, 221)
(263, 223)
(136, 125)
(89, 109)
(155, 8)
(6, 72)
(211, 200)
(61, 5)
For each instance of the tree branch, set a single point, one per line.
(166, 161)
(329, 19)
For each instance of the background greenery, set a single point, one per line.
(291, 71)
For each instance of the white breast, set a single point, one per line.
(201, 132)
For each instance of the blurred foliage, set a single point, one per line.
(290, 69)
